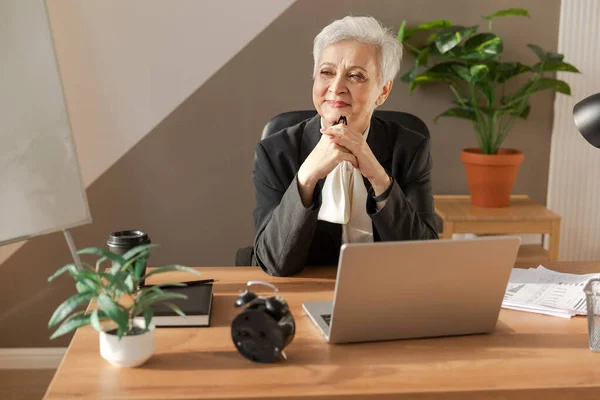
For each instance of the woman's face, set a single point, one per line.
(347, 83)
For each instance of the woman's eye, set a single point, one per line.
(326, 73)
(357, 77)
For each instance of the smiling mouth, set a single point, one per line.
(336, 104)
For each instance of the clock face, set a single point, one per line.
(257, 336)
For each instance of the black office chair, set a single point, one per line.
(243, 256)
(291, 118)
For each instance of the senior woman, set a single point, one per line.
(321, 183)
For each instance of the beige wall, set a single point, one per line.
(127, 64)
(188, 181)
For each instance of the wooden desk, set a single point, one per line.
(529, 356)
(523, 215)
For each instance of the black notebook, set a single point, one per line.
(196, 307)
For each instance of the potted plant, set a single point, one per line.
(122, 310)
(471, 65)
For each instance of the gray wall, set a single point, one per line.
(188, 181)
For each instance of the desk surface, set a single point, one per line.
(521, 208)
(528, 356)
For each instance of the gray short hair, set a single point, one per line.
(364, 30)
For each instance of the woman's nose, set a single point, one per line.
(338, 85)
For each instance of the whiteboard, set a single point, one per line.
(41, 189)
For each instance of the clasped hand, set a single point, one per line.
(341, 143)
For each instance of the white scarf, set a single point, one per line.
(344, 201)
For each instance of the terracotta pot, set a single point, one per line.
(491, 176)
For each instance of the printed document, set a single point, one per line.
(544, 291)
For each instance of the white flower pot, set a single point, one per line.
(129, 351)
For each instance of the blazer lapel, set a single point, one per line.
(310, 138)
(378, 142)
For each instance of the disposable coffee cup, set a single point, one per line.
(121, 242)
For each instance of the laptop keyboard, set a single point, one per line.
(326, 318)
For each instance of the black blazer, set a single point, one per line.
(288, 236)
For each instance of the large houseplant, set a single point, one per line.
(122, 310)
(481, 82)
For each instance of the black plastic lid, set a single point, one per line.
(127, 238)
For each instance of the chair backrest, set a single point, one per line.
(291, 118)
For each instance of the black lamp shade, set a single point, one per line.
(586, 114)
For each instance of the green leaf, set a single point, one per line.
(431, 77)
(116, 282)
(147, 301)
(488, 90)
(442, 23)
(82, 287)
(457, 113)
(516, 12)
(175, 309)
(87, 281)
(538, 51)
(117, 259)
(138, 249)
(116, 268)
(68, 306)
(130, 284)
(156, 297)
(150, 289)
(410, 75)
(88, 275)
(554, 84)
(554, 66)
(412, 86)
(400, 35)
(519, 93)
(139, 268)
(479, 71)
(514, 99)
(423, 56)
(462, 71)
(71, 268)
(521, 112)
(545, 56)
(450, 37)
(114, 312)
(148, 315)
(95, 321)
(484, 45)
(464, 105)
(168, 268)
(525, 112)
(71, 324)
(99, 262)
(508, 70)
(460, 100)
(446, 68)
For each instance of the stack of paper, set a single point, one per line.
(543, 291)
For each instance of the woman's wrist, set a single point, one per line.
(305, 179)
(306, 188)
(381, 184)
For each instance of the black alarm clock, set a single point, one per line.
(264, 328)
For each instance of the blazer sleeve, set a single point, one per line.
(408, 213)
(284, 228)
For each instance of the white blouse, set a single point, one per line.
(344, 201)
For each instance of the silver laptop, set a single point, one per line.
(416, 289)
